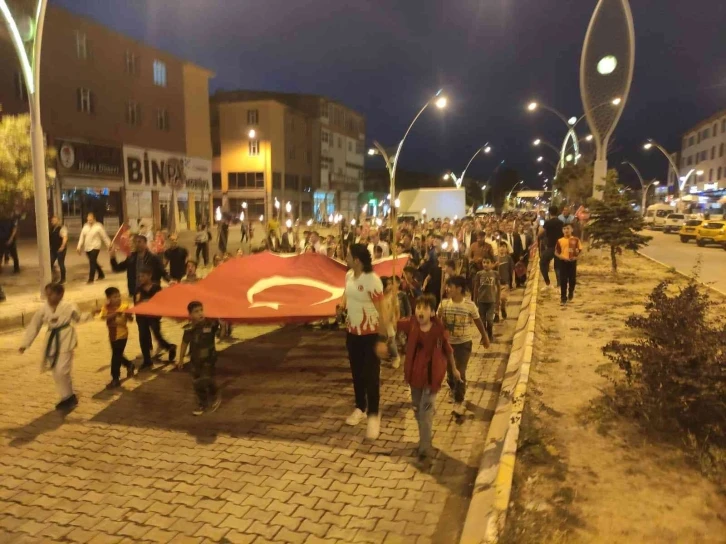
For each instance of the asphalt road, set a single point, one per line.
(668, 249)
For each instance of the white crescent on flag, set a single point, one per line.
(280, 281)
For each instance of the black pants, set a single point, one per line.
(462, 354)
(117, 357)
(568, 279)
(203, 249)
(544, 265)
(366, 369)
(93, 265)
(203, 380)
(12, 251)
(59, 256)
(147, 325)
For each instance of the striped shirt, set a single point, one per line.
(458, 318)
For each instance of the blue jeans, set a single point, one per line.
(424, 406)
(462, 354)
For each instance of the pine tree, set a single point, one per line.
(613, 222)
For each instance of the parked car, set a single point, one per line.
(711, 232)
(688, 230)
(674, 222)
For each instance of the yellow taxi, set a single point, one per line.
(688, 230)
(711, 232)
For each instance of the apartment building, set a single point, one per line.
(703, 157)
(128, 121)
(300, 149)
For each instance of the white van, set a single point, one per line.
(655, 216)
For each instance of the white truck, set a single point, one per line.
(434, 203)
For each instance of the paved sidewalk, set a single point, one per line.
(276, 463)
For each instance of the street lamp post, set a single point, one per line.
(28, 49)
(643, 186)
(569, 123)
(651, 144)
(392, 162)
(486, 148)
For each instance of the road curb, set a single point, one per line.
(687, 276)
(20, 320)
(493, 486)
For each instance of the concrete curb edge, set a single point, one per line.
(493, 486)
(687, 276)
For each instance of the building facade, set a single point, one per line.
(703, 156)
(272, 148)
(108, 101)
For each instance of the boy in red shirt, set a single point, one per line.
(427, 353)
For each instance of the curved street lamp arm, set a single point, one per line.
(472, 160)
(400, 145)
(551, 146)
(667, 156)
(557, 113)
(637, 172)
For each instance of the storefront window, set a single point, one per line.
(103, 203)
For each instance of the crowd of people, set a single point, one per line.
(457, 277)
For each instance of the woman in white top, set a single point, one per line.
(363, 300)
(93, 236)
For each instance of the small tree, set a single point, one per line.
(613, 222)
(574, 181)
(675, 370)
(16, 165)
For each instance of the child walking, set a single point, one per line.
(118, 334)
(506, 277)
(567, 250)
(459, 315)
(199, 337)
(60, 341)
(486, 291)
(427, 353)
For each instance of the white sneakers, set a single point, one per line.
(459, 409)
(374, 427)
(355, 418)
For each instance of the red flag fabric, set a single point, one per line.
(264, 288)
(122, 240)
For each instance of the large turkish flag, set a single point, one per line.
(264, 288)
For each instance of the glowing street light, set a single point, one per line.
(532, 106)
(650, 144)
(617, 101)
(540, 159)
(588, 138)
(441, 102)
(372, 152)
(572, 120)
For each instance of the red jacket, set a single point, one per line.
(426, 353)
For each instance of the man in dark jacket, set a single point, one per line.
(135, 262)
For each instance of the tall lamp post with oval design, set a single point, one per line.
(606, 71)
(26, 33)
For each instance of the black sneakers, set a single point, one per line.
(67, 404)
(113, 384)
(172, 353)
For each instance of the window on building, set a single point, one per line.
(292, 182)
(21, 91)
(308, 156)
(723, 126)
(324, 136)
(690, 160)
(350, 147)
(719, 173)
(715, 130)
(699, 137)
(159, 73)
(710, 175)
(253, 117)
(85, 101)
(81, 45)
(276, 180)
(359, 148)
(720, 150)
(291, 152)
(217, 181)
(133, 113)
(131, 62)
(706, 133)
(162, 119)
(713, 152)
(691, 140)
(340, 142)
(254, 148)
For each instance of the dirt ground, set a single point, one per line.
(579, 477)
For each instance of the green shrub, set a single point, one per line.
(675, 371)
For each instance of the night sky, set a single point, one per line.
(385, 58)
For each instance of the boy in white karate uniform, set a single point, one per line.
(60, 341)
